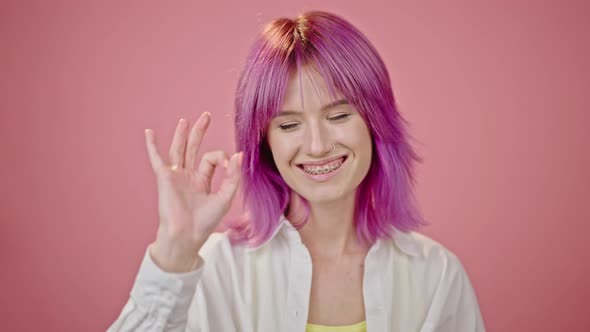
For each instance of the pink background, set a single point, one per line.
(496, 95)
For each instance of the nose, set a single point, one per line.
(317, 141)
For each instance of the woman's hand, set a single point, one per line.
(189, 211)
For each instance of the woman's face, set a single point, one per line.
(302, 140)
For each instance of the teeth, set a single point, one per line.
(314, 170)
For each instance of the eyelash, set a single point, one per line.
(334, 118)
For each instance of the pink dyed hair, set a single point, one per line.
(350, 65)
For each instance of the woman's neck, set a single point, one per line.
(330, 231)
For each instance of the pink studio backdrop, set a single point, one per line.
(495, 93)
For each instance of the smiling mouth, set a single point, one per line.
(323, 169)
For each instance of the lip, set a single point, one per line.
(321, 162)
(327, 176)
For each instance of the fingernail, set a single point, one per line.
(203, 120)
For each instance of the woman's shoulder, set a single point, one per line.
(427, 251)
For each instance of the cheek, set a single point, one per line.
(358, 136)
(281, 148)
(363, 144)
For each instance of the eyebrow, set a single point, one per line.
(325, 107)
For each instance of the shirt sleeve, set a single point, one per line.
(159, 301)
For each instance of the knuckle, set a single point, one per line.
(192, 148)
(213, 154)
(207, 155)
(199, 132)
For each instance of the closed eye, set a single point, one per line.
(287, 126)
(339, 117)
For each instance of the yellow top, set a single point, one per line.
(359, 327)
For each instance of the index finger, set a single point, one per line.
(195, 138)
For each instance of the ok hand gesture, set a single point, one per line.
(188, 210)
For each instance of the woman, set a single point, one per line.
(326, 170)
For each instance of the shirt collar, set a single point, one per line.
(405, 241)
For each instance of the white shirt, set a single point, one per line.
(410, 283)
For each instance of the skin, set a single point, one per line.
(309, 135)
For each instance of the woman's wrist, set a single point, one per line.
(174, 259)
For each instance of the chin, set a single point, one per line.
(322, 195)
